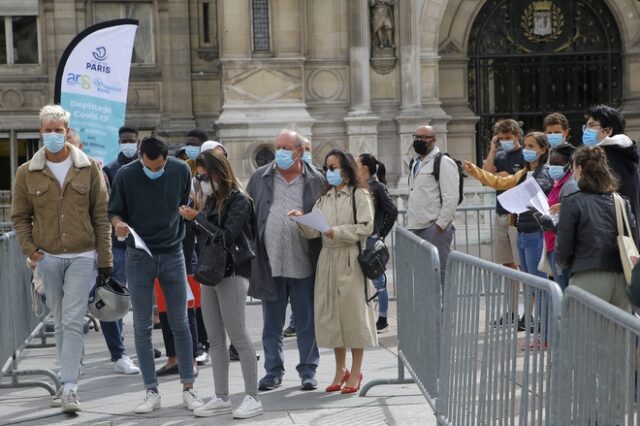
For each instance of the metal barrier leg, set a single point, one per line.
(15, 383)
(399, 381)
(40, 333)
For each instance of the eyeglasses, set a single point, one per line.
(331, 168)
(592, 127)
(422, 137)
(202, 178)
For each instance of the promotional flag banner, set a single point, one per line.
(92, 82)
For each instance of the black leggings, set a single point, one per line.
(167, 335)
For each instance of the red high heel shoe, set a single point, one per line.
(336, 388)
(353, 389)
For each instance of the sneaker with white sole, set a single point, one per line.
(125, 366)
(191, 400)
(69, 402)
(213, 408)
(250, 407)
(56, 401)
(150, 402)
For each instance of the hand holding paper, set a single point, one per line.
(528, 193)
(314, 220)
(139, 242)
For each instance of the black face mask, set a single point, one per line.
(421, 147)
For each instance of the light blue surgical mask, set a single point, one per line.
(590, 137)
(192, 151)
(152, 175)
(284, 159)
(507, 146)
(529, 155)
(307, 157)
(54, 142)
(555, 139)
(557, 172)
(129, 150)
(334, 178)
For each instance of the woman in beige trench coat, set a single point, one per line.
(343, 318)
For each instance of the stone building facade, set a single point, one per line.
(357, 74)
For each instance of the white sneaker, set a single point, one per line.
(125, 366)
(191, 400)
(70, 403)
(212, 408)
(250, 407)
(150, 402)
(56, 401)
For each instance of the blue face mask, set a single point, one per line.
(284, 159)
(555, 139)
(152, 175)
(334, 178)
(557, 172)
(590, 137)
(192, 151)
(507, 146)
(529, 155)
(307, 157)
(54, 142)
(129, 149)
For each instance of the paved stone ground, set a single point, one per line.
(109, 398)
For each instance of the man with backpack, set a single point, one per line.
(434, 194)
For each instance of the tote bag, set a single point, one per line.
(628, 251)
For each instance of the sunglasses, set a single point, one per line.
(331, 168)
(202, 178)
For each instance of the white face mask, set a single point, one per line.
(216, 186)
(206, 188)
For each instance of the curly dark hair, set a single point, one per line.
(609, 118)
(596, 176)
(348, 166)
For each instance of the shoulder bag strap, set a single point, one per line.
(621, 215)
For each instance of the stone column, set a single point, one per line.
(175, 61)
(362, 124)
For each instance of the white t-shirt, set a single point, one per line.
(60, 170)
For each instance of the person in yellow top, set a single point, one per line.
(343, 317)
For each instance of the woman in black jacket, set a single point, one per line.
(386, 212)
(228, 218)
(587, 229)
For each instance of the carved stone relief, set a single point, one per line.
(383, 58)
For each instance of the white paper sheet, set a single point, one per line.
(541, 203)
(520, 198)
(314, 220)
(139, 242)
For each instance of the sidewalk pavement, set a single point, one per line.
(109, 399)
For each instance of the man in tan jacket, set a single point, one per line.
(59, 212)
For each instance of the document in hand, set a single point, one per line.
(527, 194)
(139, 242)
(314, 220)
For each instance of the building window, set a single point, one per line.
(261, 26)
(206, 30)
(143, 52)
(19, 40)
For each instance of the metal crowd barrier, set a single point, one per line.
(18, 324)
(488, 373)
(597, 370)
(419, 312)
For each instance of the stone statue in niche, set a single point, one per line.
(383, 58)
(382, 22)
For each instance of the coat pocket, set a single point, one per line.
(39, 195)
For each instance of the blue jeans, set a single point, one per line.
(300, 291)
(67, 283)
(562, 277)
(113, 330)
(383, 296)
(530, 246)
(141, 272)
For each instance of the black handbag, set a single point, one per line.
(212, 260)
(373, 259)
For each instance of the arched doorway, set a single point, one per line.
(530, 58)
